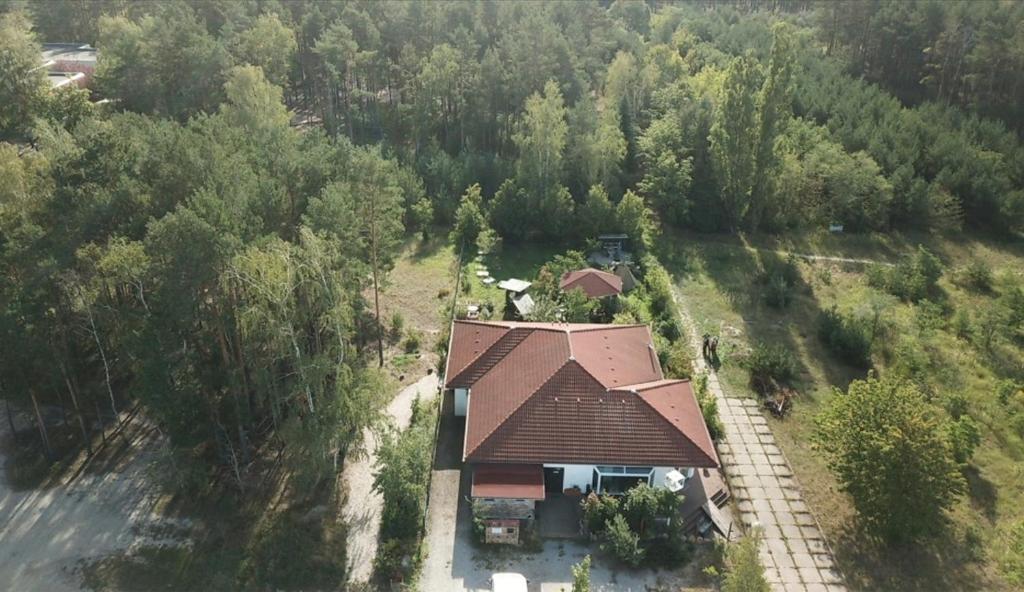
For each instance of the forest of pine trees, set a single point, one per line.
(208, 242)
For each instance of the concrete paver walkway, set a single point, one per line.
(794, 552)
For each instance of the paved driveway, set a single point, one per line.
(454, 564)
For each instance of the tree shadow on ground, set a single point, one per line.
(739, 273)
(275, 535)
(939, 563)
(981, 492)
(423, 249)
(448, 454)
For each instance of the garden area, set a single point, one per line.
(944, 321)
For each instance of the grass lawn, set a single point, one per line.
(416, 289)
(715, 274)
(422, 271)
(521, 261)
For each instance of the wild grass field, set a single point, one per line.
(717, 275)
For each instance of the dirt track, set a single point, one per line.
(363, 505)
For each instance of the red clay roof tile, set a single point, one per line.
(508, 481)
(594, 282)
(556, 392)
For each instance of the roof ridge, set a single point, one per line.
(650, 384)
(681, 432)
(487, 436)
(505, 324)
(606, 326)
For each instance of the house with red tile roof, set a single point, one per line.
(594, 282)
(551, 407)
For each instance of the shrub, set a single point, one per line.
(1007, 390)
(964, 437)
(678, 360)
(709, 408)
(670, 552)
(621, 542)
(581, 576)
(659, 290)
(911, 279)
(743, 569)
(929, 316)
(1013, 300)
(644, 504)
(1011, 556)
(778, 278)
(412, 342)
(894, 416)
(598, 510)
(400, 475)
(977, 276)
(770, 363)
(670, 328)
(393, 561)
(777, 292)
(397, 325)
(845, 336)
(962, 324)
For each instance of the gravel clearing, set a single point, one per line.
(46, 534)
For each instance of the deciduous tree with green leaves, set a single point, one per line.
(23, 90)
(891, 451)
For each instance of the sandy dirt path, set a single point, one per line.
(363, 505)
(46, 533)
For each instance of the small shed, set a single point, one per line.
(523, 304)
(627, 276)
(518, 303)
(615, 245)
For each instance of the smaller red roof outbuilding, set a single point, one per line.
(594, 282)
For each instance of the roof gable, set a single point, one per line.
(572, 419)
(509, 383)
(468, 341)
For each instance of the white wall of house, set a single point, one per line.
(582, 475)
(461, 401)
(574, 475)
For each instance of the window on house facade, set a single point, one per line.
(617, 480)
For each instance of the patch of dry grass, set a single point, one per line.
(714, 274)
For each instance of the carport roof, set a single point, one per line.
(508, 481)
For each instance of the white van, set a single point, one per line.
(508, 582)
